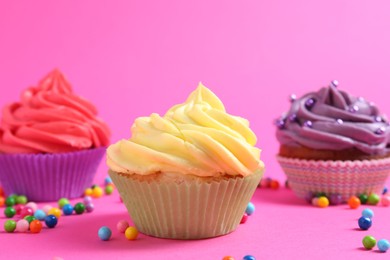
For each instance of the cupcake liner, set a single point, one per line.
(186, 209)
(345, 178)
(49, 177)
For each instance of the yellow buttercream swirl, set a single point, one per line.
(197, 137)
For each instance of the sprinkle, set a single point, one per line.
(293, 117)
(310, 103)
(369, 242)
(293, 97)
(364, 223)
(339, 121)
(280, 123)
(104, 233)
(122, 225)
(383, 245)
(308, 123)
(131, 233)
(353, 109)
(380, 130)
(334, 83)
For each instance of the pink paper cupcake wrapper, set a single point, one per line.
(49, 177)
(345, 178)
(186, 210)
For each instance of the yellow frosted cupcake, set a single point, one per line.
(190, 173)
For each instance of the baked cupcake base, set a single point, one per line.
(185, 207)
(49, 177)
(345, 178)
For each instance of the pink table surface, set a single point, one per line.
(282, 227)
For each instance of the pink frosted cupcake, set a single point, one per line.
(334, 143)
(190, 173)
(51, 142)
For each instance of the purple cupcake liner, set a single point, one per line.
(49, 177)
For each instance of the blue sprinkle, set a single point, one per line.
(104, 233)
(250, 209)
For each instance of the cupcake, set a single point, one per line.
(334, 143)
(51, 142)
(190, 173)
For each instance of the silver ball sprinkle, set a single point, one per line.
(353, 109)
(293, 97)
(310, 103)
(293, 117)
(334, 83)
(308, 123)
(380, 130)
(339, 121)
(280, 123)
(378, 119)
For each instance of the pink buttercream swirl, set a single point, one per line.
(50, 118)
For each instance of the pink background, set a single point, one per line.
(132, 58)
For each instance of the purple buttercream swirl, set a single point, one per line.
(331, 119)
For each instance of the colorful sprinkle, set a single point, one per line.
(30, 218)
(131, 233)
(244, 218)
(228, 258)
(79, 208)
(39, 214)
(122, 225)
(109, 189)
(250, 209)
(323, 202)
(51, 221)
(10, 201)
(107, 180)
(35, 226)
(46, 208)
(67, 209)
(26, 211)
(89, 207)
(363, 198)
(249, 257)
(10, 226)
(88, 192)
(97, 192)
(62, 202)
(104, 233)
(368, 213)
(383, 245)
(32, 205)
(385, 200)
(369, 242)
(55, 211)
(335, 199)
(21, 200)
(364, 223)
(87, 199)
(22, 225)
(9, 212)
(354, 202)
(373, 199)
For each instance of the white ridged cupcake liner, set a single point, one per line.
(187, 209)
(345, 178)
(49, 177)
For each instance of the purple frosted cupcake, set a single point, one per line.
(334, 143)
(51, 142)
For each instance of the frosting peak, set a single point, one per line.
(331, 119)
(50, 118)
(197, 137)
